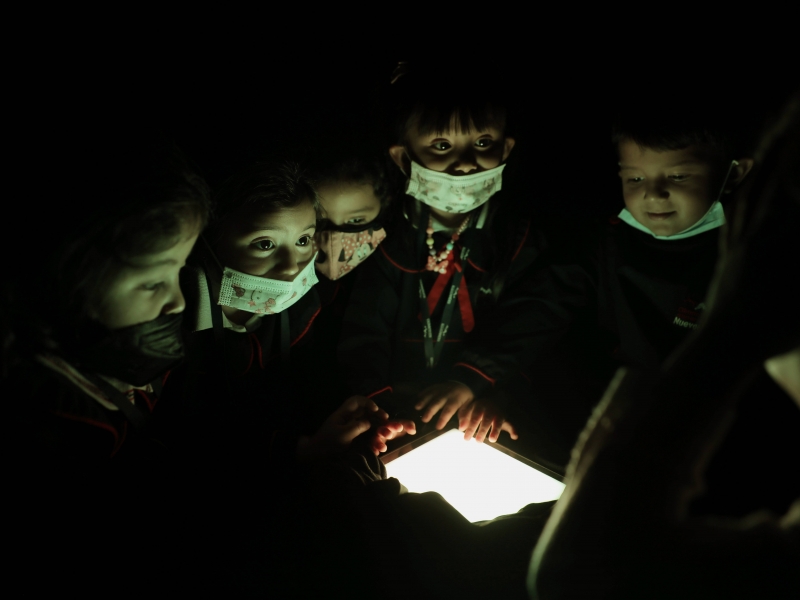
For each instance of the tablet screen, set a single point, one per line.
(481, 481)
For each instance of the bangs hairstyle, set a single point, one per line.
(265, 186)
(358, 168)
(422, 97)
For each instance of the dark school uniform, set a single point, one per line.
(89, 494)
(245, 392)
(621, 297)
(386, 338)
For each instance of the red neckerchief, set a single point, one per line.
(439, 286)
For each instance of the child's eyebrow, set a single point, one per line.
(276, 228)
(688, 161)
(159, 263)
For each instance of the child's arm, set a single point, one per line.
(365, 348)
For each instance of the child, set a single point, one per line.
(243, 394)
(444, 264)
(616, 534)
(353, 191)
(92, 314)
(646, 277)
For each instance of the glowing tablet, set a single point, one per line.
(481, 481)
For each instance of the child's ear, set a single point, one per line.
(400, 158)
(738, 173)
(508, 146)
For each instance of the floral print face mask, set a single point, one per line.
(261, 295)
(453, 193)
(340, 252)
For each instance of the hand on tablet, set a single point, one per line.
(389, 431)
(483, 418)
(350, 420)
(449, 397)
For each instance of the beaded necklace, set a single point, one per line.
(439, 263)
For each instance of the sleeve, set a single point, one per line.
(366, 348)
(616, 533)
(529, 319)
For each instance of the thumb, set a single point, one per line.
(356, 428)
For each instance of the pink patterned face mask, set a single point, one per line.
(340, 252)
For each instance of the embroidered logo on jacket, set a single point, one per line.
(688, 314)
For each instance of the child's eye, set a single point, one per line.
(264, 245)
(678, 177)
(484, 143)
(304, 241)
(441, 146)
(152, 287)
(355, 220)
(635, 179)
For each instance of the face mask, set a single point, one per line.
(453, 193)
(137, 354)
(341, 251)
(714, 217)
(264, 296)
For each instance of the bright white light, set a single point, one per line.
(481, 483)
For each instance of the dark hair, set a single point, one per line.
(677, 125)
(361, 166)
(266, 185)
(419, 96)
(114, 200)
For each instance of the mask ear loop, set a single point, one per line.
(212, 253)
(734, 163)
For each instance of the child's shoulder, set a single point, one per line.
(53, 411)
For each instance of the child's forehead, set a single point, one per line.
(421, 125)
(291, 217)
(633, 155)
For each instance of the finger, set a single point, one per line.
(432, 409)
(379, 417)
(450, 408)
(497, 427)
(474, 421)
(483, 430)
(354, 403)
(425, 396)
(408, 426)
(355, 429)
(464, 415)
(512, 432)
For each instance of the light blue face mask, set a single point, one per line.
(714, 217)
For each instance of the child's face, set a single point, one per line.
(666, 191)
(149, 288)
(454, 152)
(275, 245)
(348, 203)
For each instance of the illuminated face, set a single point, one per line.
(346, 203)
(666, 191)
(454, 152)
(275, 245)
(148, 288)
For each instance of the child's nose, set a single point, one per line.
(656, 189)
(465, 162)
(288, 264)
(176, 303)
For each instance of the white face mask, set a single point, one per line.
(260, 295)
(714, 217)
(453, 193)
